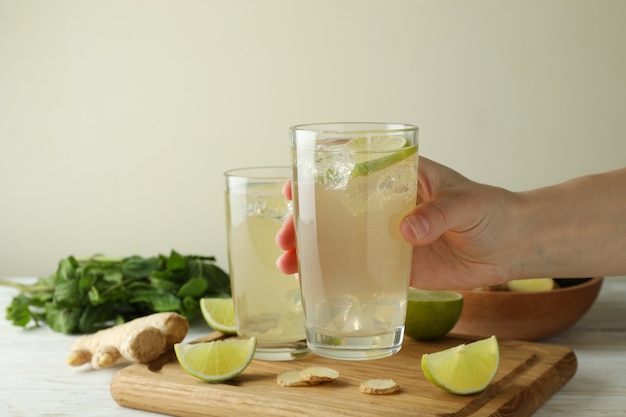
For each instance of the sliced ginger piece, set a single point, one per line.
(316, 374)
(379, 386)
(291, 379)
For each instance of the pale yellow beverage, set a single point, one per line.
(267, 303)
(350, 193)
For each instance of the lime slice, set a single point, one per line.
(531, 285)
(219, 313)
(431, 314)
(464, 369)
(367, 167)
(216, 361)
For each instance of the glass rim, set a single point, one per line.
(254, 172)
(344, 127)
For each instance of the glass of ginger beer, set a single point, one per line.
(351, 184)
(267, 303)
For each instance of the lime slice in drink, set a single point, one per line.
(218, 360)
(374, 145)
(464, 369)
(431, 314)
(219, 313)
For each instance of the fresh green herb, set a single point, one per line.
(88, 294)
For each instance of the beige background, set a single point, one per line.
(117, 118)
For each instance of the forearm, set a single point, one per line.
(574, 229)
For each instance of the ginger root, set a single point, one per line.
(140, 340)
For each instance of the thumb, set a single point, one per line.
(425, 223)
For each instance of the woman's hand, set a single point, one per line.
(454, 247)
(461, 231)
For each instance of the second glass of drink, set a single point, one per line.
(267, 303)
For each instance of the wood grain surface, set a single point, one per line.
(529, 374)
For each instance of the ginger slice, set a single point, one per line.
(379, 386)
(291, 379)
(316, 374)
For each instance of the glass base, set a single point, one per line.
(355, 348)
(268, 351)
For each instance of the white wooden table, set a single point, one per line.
(35, 380)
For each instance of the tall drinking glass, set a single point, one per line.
(352, 183)
(267, 303)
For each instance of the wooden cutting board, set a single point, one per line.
(529, 374)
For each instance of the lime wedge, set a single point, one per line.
(218, 360)
(367, 167)
(464, 369)
(219, 313)
(431, 314)
(531, 285)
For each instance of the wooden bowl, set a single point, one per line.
(526, 315)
